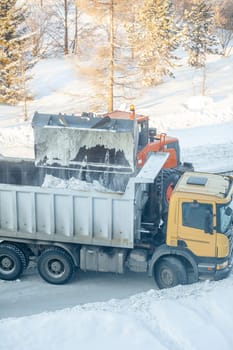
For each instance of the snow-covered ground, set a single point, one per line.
(194, 317)
(109, 311)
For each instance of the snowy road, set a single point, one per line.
(31, 295)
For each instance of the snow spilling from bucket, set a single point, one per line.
(73, 184)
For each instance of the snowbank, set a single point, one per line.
(194, 317)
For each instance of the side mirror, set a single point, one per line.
(208, 225)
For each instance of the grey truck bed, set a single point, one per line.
(77, 216)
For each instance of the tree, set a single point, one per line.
(180, 6)
(110, 50)
(223, 17)
(60, 23)
(13, 52)
(75, 41)
(198, 35)
(154, 38)
(52, 23)
(57, 26)
(38, 22)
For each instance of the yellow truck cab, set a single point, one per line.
(199, 232)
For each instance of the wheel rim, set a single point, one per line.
(7, 264)
(55, 268)
(167, 276)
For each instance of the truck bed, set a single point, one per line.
(36, 213)
(106, 218)
(29, 211)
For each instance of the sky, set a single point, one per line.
(100, 314)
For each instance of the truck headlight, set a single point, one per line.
(222, 265)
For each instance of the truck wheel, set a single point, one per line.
(12, 262)
(55, 266)
(26, 252)
(170, 272)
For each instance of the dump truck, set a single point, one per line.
(107, 212)
(65, 230)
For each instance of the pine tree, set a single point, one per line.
(198, 32)
(12, 52)
(154, 38)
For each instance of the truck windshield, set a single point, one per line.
(224, 217)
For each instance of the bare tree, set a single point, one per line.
(38, 23)
(75, 42)
(223, 16)
(111, 51)
(51, 21)
(68, 30)
(66, 45)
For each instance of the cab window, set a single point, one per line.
(176, 147)
(196, 214)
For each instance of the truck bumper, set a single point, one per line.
(220, 274)
(211, 272)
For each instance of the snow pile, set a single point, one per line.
(194, 317)
(17, 141)
(209, 148)
(199, 103)
(178, 103)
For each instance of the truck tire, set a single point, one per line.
(169, 272)
(55, 266)
(12, 262)
(26, 252)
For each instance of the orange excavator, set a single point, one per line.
(150, 142)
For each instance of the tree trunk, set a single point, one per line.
(66, 50)
(111, 61)
(76, 29)
(203, 80)
(23, 77)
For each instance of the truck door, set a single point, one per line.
(196, 227)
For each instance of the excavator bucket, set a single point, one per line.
(92, 146)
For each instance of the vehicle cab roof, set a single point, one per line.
(125, 115)
(204, 184)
